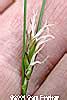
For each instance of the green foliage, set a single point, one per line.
(27, 60)
(24, 41)
(28, 54)
(24, 86)
(32, 48)
(41, 15)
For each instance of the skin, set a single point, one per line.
(47, 78)
(4, 4)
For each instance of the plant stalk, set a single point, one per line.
(41, 15)
(28, 74)
(24, 41)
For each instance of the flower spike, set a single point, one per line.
(35, 43)
(39, 62)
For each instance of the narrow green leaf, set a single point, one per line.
(24, 40)
(41, 15)
(26, 61)
(24, 86)
(32, 48)
(24, 32)
(29, 71)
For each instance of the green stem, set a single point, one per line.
(24, 40)
(41, 15)
(24, 33)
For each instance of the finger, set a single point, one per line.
(55, 49)
(40, 72)
(12, 31)
(5, 4)
(56, 83)
(10, 51)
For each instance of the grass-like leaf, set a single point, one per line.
(29, 55)
(41, 15)
(24, 40)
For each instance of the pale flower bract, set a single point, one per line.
(35, 43)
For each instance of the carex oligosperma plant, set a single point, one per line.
(33, 43)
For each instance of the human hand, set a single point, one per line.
(11, 47)
(10, 50)
(45, 78)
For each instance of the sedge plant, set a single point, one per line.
(33, 43)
